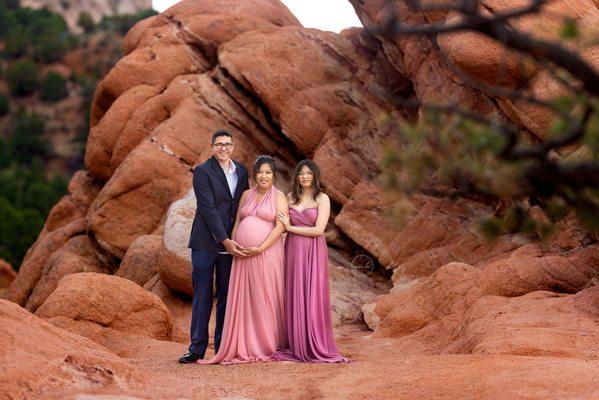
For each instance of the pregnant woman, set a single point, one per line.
(253, 328)
(308, 323)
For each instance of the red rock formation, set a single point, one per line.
(471, 305)
(432, 314)
(37, 358)
(436, 235)
(107, 309)
(7, 274)
(75, 256)
(141, 261)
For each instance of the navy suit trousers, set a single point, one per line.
(204, 265)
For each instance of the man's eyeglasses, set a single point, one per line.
(220, 146)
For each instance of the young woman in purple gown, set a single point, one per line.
(308, 325)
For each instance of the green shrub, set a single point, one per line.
(48, 49)
(88, 87)
(10, 4)
(27, 140)
(7, 20)
(5, 156)
(39, 34)
(53, 88)
(26, 197)
(22, 77)
(86, 22)
(4, 105)
(18, 229)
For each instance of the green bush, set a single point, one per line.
(88, 87)
(53, 88)
(39, 34)
(27, 140)
(4, 105)
(22, 77)
(10, 4)
(18, 229)
(86, 22)
(5, 156)
(49, 49)
(7, 20)
(26, 197)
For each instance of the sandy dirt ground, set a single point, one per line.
(378, 370)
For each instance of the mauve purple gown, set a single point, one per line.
(308, 323)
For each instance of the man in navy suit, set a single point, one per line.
(218, 184)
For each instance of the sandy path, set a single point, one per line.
(377, 371)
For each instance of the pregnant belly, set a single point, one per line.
(252, 231)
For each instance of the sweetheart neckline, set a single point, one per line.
(295, 209)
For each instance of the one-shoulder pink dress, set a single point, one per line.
(253, 329)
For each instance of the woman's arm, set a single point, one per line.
(276, 232)
(324, 210)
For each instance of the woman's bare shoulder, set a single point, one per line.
(281, 195)
(323, 197)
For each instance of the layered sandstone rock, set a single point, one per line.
(441, 312)
(106, 309)
(140, 263)
(7, 274)
(174, 266)
(430, 311)
(299, 93)
(228, 80)
(37, 358)
(153, 114)
(473, 60)
(75, 256)
(537, 324)
(179, 306)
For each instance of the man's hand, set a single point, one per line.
(234, 248)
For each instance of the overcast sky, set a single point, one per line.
(327, 15)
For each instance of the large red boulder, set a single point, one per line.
(106, 308)
(38, 358)
(75, 256)
(141, 260)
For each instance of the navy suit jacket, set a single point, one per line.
(216, 211)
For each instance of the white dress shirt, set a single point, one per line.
(232, 179)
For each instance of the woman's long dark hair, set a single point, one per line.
(318, 185)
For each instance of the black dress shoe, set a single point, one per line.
(190, 358)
